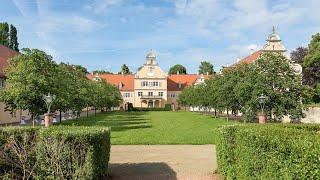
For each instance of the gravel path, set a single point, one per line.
(163, 162)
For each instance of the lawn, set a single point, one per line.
(156, 127)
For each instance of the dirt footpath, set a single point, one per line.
(163, 162)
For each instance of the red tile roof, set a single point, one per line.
(250, 59)
(5, 54)
(127, 80)
(185, 80)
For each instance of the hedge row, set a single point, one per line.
(62, 152)
(273, 151)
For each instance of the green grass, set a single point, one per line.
(156, 127)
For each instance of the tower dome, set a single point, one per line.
(151, 58)
(274, 36)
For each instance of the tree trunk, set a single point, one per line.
(87, 111)
(60, 116)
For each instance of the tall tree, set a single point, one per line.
(101, 72)
(298, 55)
(13, 42)
(4, 34)
(206, 67)
(178, 69)
(312, 62)
(124, 69)
(30, 75)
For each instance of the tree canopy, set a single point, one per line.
(8, 36)
(206, 67)
(178, 68)
(238, 89)
(33, 74)
(124, 69)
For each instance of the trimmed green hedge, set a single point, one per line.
(62, 152)
(272, 151)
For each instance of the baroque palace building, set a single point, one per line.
(150, 86)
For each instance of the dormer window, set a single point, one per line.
(179, 85)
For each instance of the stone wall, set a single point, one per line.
(312, 115)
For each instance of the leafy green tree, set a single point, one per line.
(312, 62)
(30, 76)
(178, 68)
(206, 67)
(101, 72)
(13, 42)
(124, 69)
(4, 34)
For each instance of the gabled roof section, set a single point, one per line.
(184, 80)
(5, 54)
(249, 59)
(126, 81)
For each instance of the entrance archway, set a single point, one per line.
(150, 104)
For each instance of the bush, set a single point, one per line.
(152, 109)
(61, 152)
(167, 107)
(269, 151)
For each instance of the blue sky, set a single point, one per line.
(104, 34)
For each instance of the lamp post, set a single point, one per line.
(48, 99)
(262, 102)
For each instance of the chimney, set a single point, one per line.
(251, 51)
(178, 72)
(92, 73)
(238, 59)
(122, 73)
(207, 73)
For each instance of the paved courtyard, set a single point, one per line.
(163, 162)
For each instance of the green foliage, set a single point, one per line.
(8, 36)
(177, 68)
(269, 151)
(167, 107)
(84, 151)
(238, 89)
(152, 109)
(206, 67)
(34, 74)
(62, 152)
(124, 69)
(102, 72)
(13, 43)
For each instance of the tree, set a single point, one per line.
(178, 69)
(4, 34)
(124, 69)
(13, 42)
(206, 67)
(298, 55)
(30, 76)
(101, 72)
(311, 63)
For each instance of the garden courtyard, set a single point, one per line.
(156, 127)
(160, 144)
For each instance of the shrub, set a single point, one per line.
(152, 109)
(269, 151)
(17, 152)
(167, 107)
(62, 152)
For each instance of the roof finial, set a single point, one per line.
(273, 29)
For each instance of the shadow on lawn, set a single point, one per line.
(117, 121)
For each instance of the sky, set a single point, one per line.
(104, 34)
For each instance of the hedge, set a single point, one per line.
(58, 152)
(272, 151)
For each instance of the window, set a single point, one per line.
(144, 83)
(127, 94)
(160, 94)
(139, 94)
(150, 93)
(173, 95)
